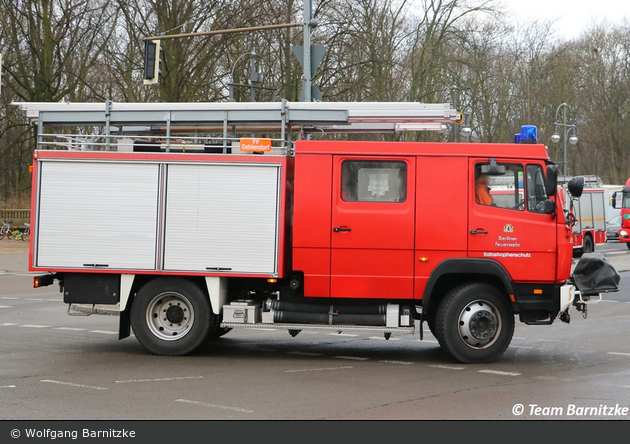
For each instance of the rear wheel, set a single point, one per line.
(2, 233)
(474, 323)
(172, 316)
(588, 246)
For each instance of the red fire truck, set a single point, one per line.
(232, 232)
(590, 215)
(622, 200)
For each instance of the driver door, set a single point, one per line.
(513, 230)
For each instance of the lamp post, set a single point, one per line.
(254, 78)
(566, 130)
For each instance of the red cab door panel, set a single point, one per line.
(372, 237)
(512, 230)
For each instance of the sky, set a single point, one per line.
(573, 15)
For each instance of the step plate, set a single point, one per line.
(338, 328)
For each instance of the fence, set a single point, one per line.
(19, 216)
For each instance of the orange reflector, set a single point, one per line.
(512, 298)
(272, 281)
(30, 169)
(35, 282)
(424, 259)
(538, 291)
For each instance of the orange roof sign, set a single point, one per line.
(255, 145)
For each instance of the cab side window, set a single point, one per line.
(373, 181)
(504, 190)
(536, 192)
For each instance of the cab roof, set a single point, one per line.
(441, 149)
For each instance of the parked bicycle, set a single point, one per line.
(6, 230)
(22, 235)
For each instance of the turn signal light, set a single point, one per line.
(538, 291)
(423, 259)
(30, 169)
(272, 281)
(43, 281)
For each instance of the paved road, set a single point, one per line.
(59, 367)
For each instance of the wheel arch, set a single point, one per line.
(453, 272)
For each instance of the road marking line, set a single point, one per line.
(304, 353)
(318, 369)
(33, 299)
(310, 332)
(396, 362)
(428, 340)
(5, 306)
(545, 378)
(105, 332)
(222, 407)
(350, 335)
(264, 329)
(517, 337)
(69, 328)
(33, 326)
(497, 372)
(618, 353)
(8, 324)
(607, 300)
(352, 358)
(6, 386)
(551, 340)
(74, 385)
(177, 378)
(520, 346)
(7, 297)
(383, 339)
(446, 367)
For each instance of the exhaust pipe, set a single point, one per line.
(276, 305)
(291, 317)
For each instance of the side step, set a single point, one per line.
(335, 328)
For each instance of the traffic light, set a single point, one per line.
(151, 61)
(1, 73)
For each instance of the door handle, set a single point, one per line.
(339, 229)
(478, 232)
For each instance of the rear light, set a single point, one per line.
(43, 281)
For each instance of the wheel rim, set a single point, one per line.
(170, 316)
(479, 324)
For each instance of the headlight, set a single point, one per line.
(623, 233)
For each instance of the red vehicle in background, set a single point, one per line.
(621, 200)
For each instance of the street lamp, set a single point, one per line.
(255, 78)
(566, 130)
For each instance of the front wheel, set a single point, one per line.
(172, 316)
(587, 245)
(627, 244)
(2, 233)
(474, 323)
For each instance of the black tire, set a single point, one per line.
(628, 245)
(587, 245)
(457, 317)
(172, 316)
(2, 235)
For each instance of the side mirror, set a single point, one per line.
(550, 206)
(551, 181)
(576, 186)
(613, 203)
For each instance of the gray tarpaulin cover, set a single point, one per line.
(593, 274)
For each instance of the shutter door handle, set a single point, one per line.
(340, 229)
(478, 232)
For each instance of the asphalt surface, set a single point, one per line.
(56, 366)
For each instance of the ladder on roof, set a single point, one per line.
(201, 119)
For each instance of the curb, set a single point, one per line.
(107, 310)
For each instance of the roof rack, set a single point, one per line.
(124, 119)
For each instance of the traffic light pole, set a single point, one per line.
(307, 78)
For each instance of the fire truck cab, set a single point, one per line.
(312, 235)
